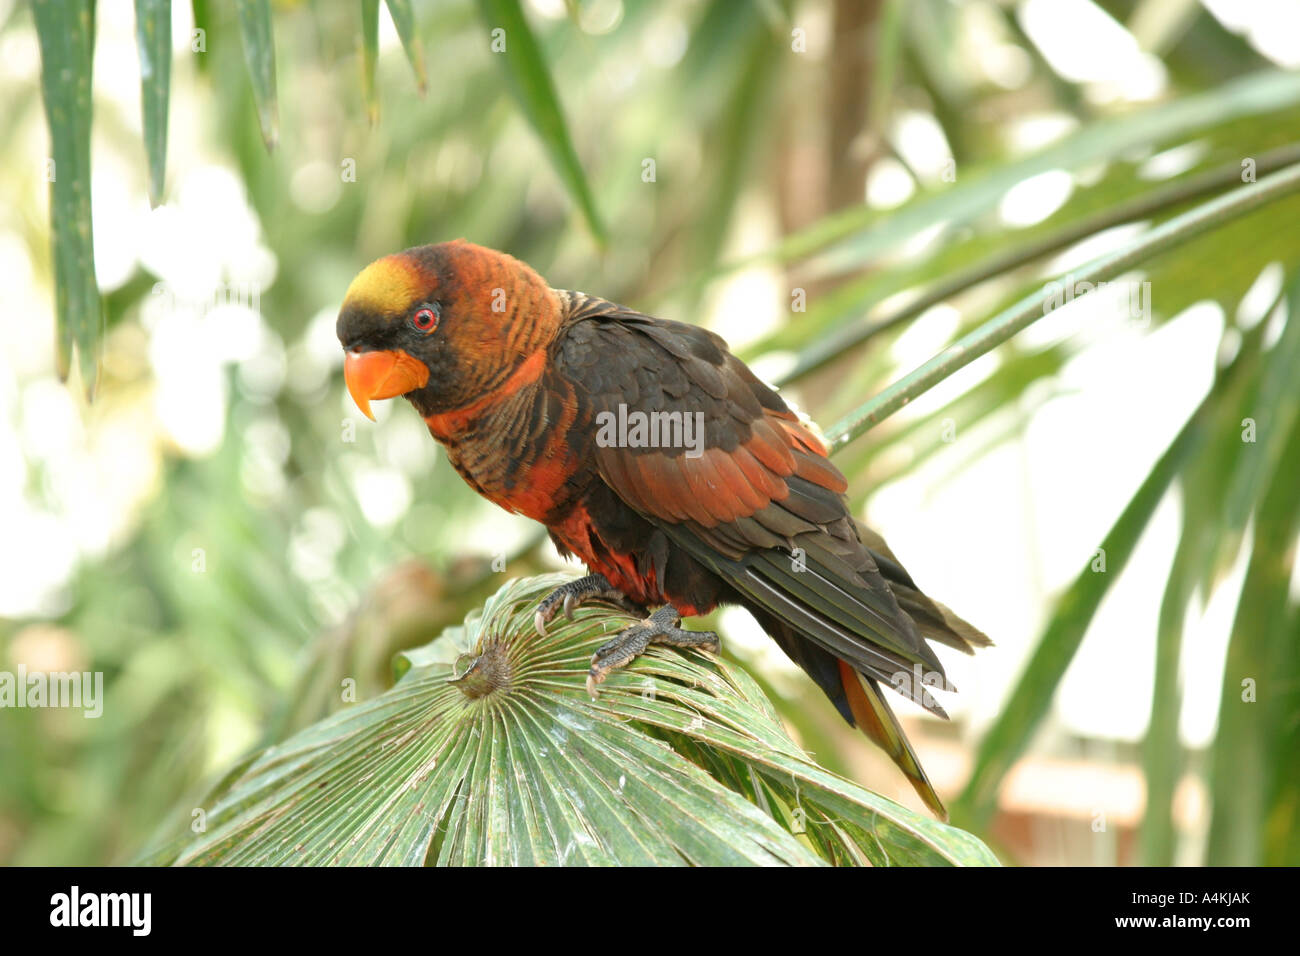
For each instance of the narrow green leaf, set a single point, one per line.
(259, 53)
(1168, 235)
(369, 57)
(201, 13)
(1030, 699)
(530, 82)
(979, 192)
(1255, 777)
(947, 274)
(153, 35)
(1270, 422)
(858, 236)
(1254, 780)
(1204, 485)
(884, 77)
(404, 21)
(1012, 732)
(66, 32)
(741, 125)
(1163, 758)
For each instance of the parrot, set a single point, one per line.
(662, 462)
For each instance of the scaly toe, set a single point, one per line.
(572, 595)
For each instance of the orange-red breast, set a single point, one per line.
(657, 457)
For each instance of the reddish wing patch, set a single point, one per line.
(812, 463)
(719, 487)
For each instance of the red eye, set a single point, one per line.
(425, 319)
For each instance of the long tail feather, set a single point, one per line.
(872, 714)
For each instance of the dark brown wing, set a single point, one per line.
(760, 505)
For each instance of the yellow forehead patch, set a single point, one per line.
(389, 284)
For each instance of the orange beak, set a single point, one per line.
(372, 375)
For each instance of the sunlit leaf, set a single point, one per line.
(742, 125)
(887, 53)
(858, 236)
(1271, 419)
(1203, 485)
(1028, 703)
(66, 32)
(404, 22)
(1255, 780)
(259, 53)
(530, 81)
(153, 29)
(1170, 234)
(835, 321)
(369, 57)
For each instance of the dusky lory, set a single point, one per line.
(656, 456)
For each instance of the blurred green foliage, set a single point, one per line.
(214, 642)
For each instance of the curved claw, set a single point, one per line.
(574, 595)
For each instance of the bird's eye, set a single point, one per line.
(425, 318)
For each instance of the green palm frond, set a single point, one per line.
(489, 751)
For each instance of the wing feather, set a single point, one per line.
(762, 506)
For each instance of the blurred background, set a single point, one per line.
(224, 537)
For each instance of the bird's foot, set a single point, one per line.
(593, 587)
(661, 627)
